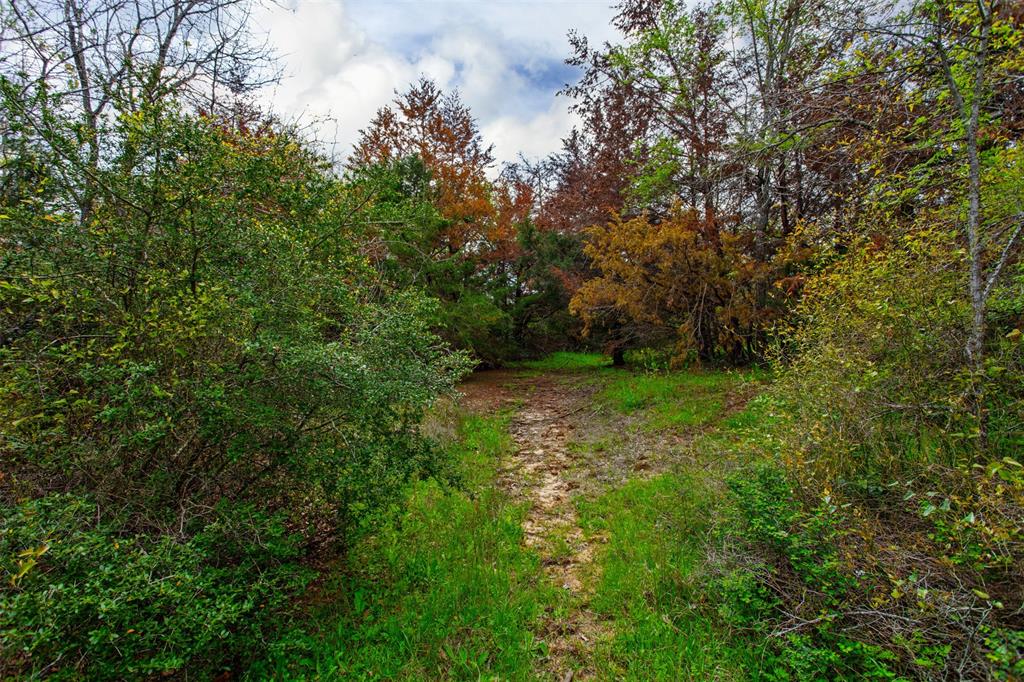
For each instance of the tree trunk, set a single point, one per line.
(975, 344)
(970, 115)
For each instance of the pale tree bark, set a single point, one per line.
(969, 113)
(982, 228)
(124, 55)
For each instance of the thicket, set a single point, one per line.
(205, 386)
(207, 356)
(500, 278)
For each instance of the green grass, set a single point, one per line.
(672, 400)
(444, 591)
(753, 419)
(742, 437)
(565, 361)
(651, 585)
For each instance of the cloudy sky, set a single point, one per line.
(343, 59)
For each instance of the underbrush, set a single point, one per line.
(915, 579)
(879, 532)
(871, 586)
(443, 590)
(139, 606)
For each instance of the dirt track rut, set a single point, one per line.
(544, 472)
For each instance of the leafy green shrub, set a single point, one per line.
(1005, 650)
(81, 598)
(824, 655)
(800, 554)
(807, 540)
(242, 348)
(743, 600)
(211, 337)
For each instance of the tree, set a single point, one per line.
(97, 60)
(978, 53)
(671, 282)
(936, 137)
(724, 92)
(479, 251)
(441, 132)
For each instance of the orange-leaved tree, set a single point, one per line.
(681, 280)
(440, 130)
(466, 251)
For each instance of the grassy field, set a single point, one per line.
(653, 588)
(566, 361)
(446, 589)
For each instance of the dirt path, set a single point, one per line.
(544, 472)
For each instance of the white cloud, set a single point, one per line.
(532, 136)
(344, 60)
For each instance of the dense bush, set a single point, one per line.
(223, 339)
(838, 590)
(209, 342)
(887, 541)
(682, 281)
(875, 373)
(82, 598)
(806, 640)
